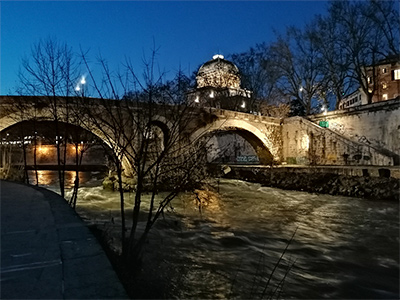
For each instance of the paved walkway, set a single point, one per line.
(47, 252)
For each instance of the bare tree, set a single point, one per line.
(81, 141)
(335, 61)
(258, 75)
(295, 55)
(367, 32)
(51, 72)
(146, 130)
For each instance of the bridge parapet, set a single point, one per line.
(222, 113)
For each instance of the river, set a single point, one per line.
(342, 248)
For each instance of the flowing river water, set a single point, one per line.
(342, 247)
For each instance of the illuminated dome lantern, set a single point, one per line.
(219, 73)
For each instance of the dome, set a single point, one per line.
(218, 72)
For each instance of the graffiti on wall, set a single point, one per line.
(337, 127)
(349, 132)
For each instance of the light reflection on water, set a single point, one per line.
(344, 247)
(49, 179)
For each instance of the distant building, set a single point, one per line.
(218, 85)
(354, 99)
(387, 77)
(386, 81)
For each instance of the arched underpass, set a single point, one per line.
(236, 145)
(38, 139)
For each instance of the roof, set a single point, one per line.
(218, 63)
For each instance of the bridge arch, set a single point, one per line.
(267, 152)
(165, 126)
(161, 122)
(6, 123)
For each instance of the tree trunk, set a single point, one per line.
(122, 206)
(35, 155)
(78, 161)
(60, 172)
(26, 176)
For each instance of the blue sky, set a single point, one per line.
(188, 33)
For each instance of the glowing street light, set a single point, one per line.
(324, 110)
(80, 86)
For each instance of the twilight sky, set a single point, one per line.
(188, 33)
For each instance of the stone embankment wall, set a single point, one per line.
(370, 183)
(376, 125)
(306, 143)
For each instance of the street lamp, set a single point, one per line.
(80, 87)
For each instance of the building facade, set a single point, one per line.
(354, 99)
(383, 79)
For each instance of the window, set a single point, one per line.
(369, 79)
(384, 96)
(384, 70)
(384, 85)
(396, 74)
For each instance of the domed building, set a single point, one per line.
(218, 72)
(218, 85)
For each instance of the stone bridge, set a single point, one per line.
(294, 140)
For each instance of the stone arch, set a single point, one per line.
(11, 120)
(258, 139)
(165, 126)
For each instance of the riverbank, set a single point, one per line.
(48, 252)
(363, 182)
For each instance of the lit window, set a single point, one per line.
(397, 74)
(369, 79)
(384, 70)
(384, 85)
(384, 97)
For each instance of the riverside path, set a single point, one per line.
(47, 251)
